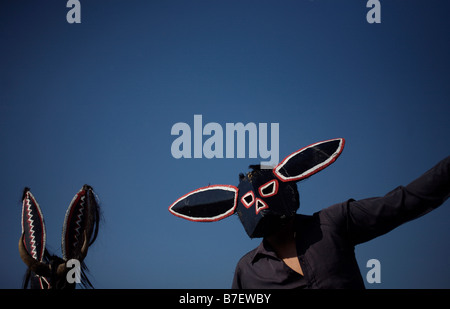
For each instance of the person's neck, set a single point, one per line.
(283, 236)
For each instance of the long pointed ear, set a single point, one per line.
(80, 224)
(33, 226)
(309, 160)
(206, 204)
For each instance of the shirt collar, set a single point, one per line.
(264, 249)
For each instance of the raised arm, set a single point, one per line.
(366, 219)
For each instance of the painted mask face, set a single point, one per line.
(265, 203)
(265, 198)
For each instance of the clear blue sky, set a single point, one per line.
(95, 103)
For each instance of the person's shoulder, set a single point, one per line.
(331, 216)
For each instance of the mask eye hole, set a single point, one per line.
(269, 189)
(248, 199)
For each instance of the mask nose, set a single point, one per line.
(260, 205)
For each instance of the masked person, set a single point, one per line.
(317, 251)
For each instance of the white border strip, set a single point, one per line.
(314, 169)
(208, 219)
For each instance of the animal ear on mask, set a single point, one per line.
(80, 226)
(207, 204)
(309, 160)
(33, 226)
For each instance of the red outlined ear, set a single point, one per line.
(207, 204)
(309, 160)
(33, 226)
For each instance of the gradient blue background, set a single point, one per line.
(95, 102)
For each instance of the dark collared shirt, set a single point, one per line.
(326, 240)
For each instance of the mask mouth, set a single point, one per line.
(270, 224)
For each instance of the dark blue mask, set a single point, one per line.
(265, 199)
